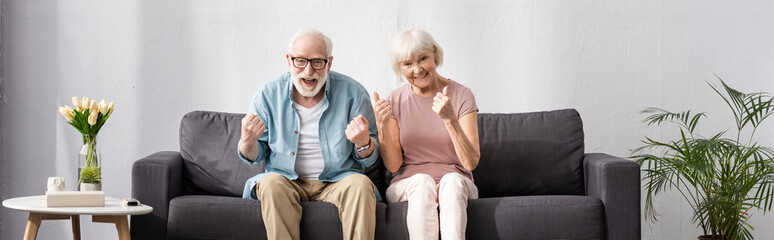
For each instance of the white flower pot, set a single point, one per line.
(91, 186)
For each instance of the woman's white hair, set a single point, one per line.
(412, 42)
(314, 33)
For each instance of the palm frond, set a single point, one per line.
(750, 108)
(684, 119)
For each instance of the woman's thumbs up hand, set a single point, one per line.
(382, 110)
(442, 106)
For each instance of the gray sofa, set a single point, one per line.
(534, 181)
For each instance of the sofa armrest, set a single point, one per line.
(616, 181)
(156, 179)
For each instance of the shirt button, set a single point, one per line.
(292, 153)
(296, 132)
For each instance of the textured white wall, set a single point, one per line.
(161, 59)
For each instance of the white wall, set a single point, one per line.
(161, 59)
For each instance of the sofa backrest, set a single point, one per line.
(208, 144)
(536, 153)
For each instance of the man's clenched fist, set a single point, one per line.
(357, 131)
(252, 128)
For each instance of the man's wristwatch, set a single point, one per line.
(366, 147)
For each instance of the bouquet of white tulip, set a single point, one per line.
(87, 116)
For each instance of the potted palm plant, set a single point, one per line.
(721, 178)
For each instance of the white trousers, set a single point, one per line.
(424, 197)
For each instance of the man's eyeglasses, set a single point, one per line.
(317, 63)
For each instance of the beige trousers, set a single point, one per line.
(281, 208)
(425, 197)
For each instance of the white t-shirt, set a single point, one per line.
(309, 159)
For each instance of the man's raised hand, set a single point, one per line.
(357, 131)
(252, 128)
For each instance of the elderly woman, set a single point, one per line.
(428, 137)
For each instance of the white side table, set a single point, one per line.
(113, 212)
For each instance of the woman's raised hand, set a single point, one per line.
(382, 110)
(443, 107)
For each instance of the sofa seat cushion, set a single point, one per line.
(527, 217)
(217, 217)
(536, 217)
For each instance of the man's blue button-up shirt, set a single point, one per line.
(344, 99)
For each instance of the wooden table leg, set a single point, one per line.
(33, 223)
(122, 224)
(76, 219)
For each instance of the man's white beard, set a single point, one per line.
(297, 82)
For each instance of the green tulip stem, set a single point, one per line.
(91, 172)
(91, 150)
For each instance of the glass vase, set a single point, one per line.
(89, 165)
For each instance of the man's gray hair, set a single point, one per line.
(314, 33)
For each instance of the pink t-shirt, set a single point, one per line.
(427, 145)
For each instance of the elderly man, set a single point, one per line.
(316, 132)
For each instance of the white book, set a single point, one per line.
(75, 199)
